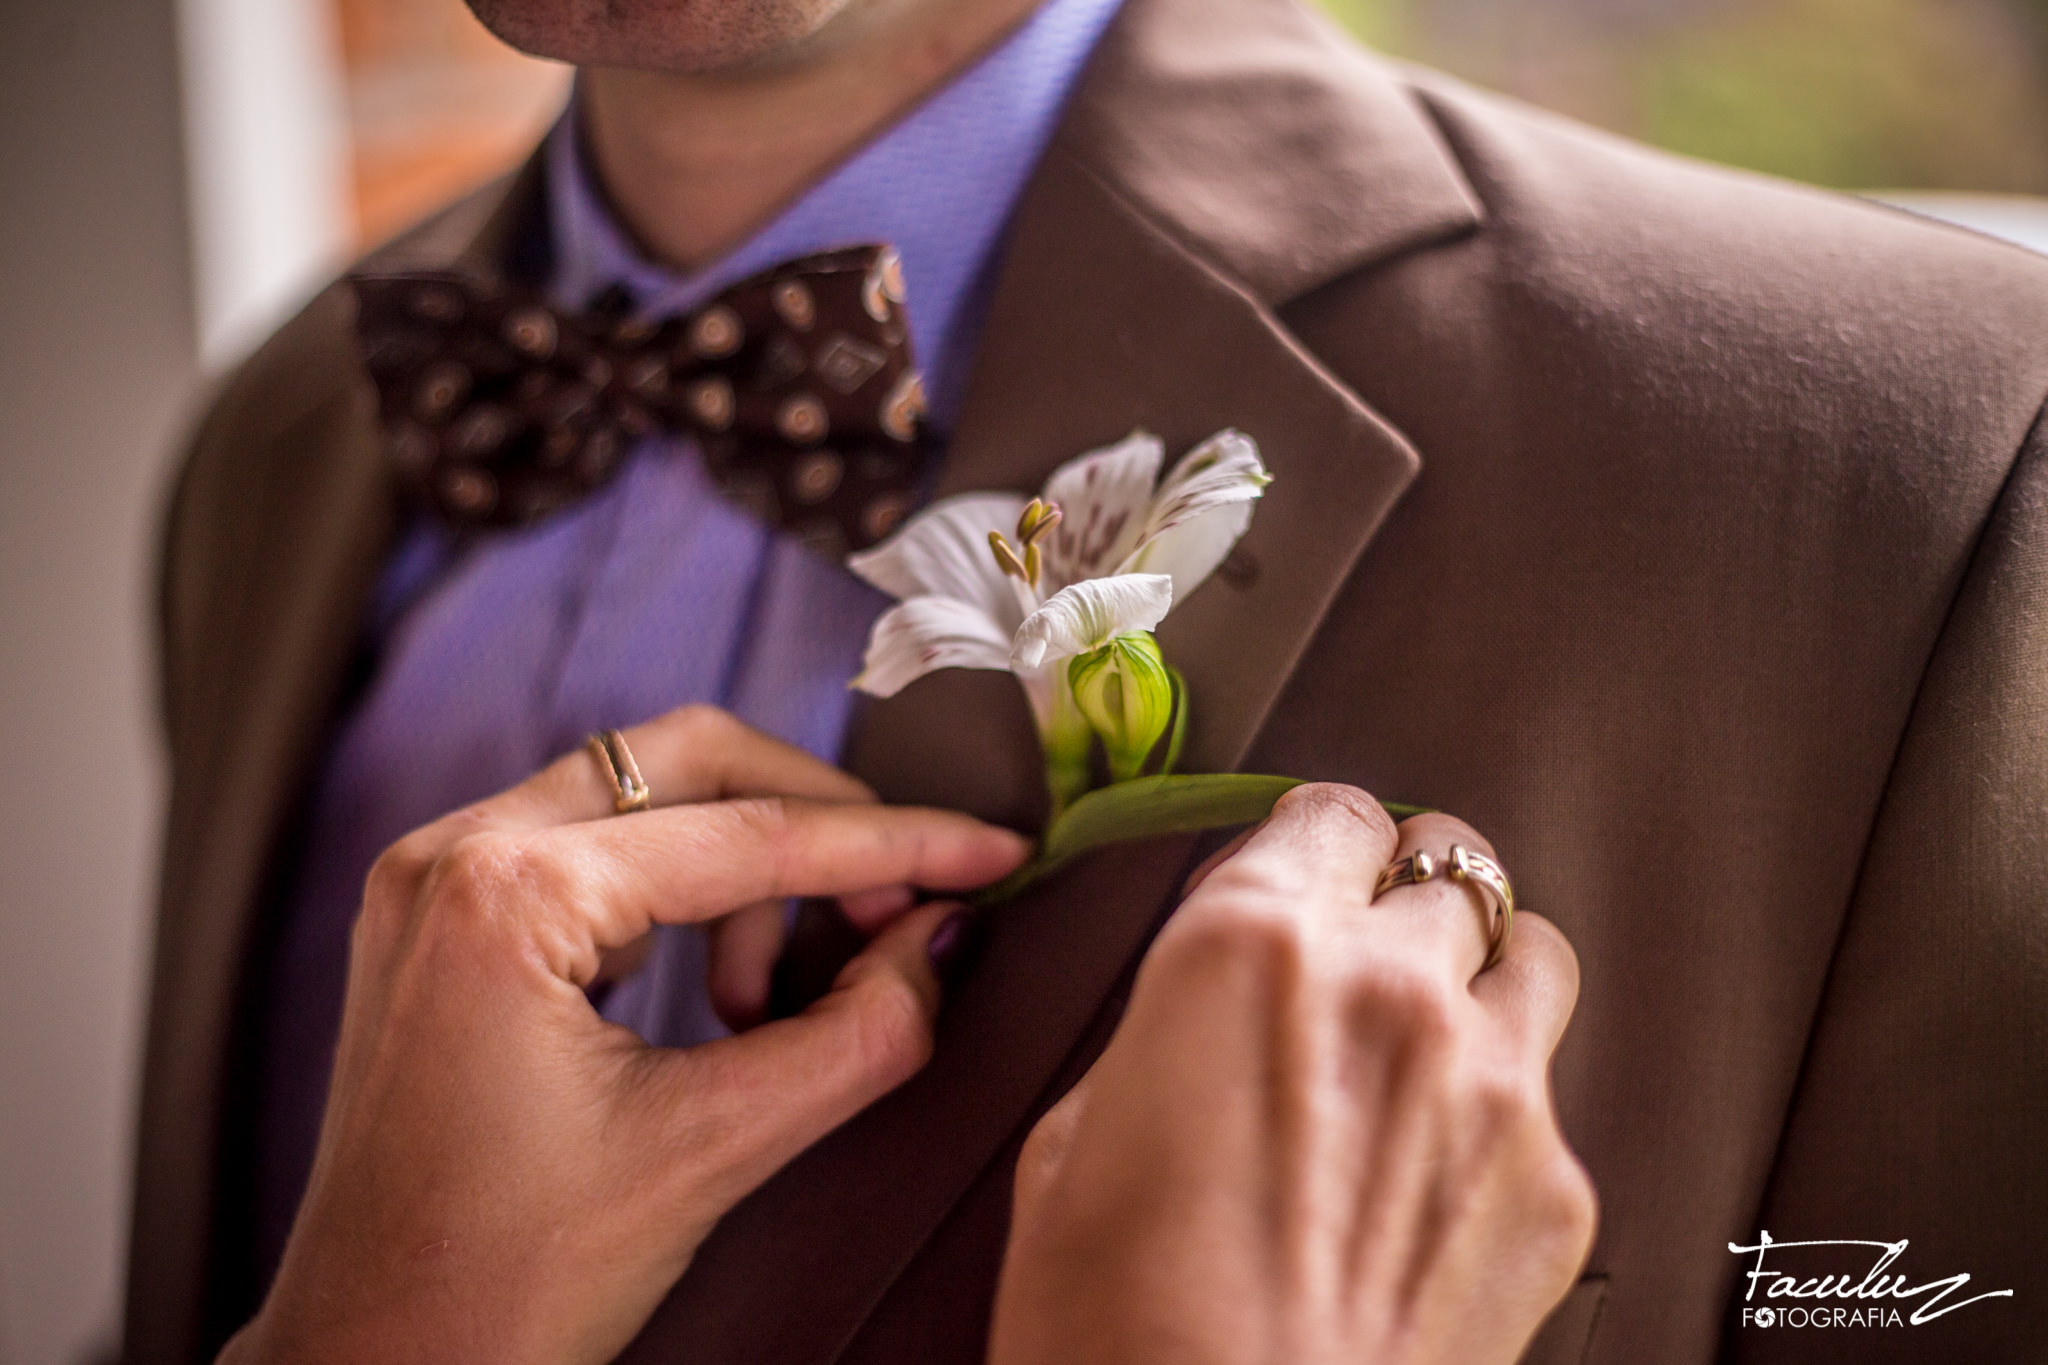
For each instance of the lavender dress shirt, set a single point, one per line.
(498, 653)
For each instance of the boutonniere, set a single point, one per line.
(1064, 590)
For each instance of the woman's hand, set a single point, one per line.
(502, 1175)
(1320, 1133)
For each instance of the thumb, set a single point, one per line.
(739, 1109)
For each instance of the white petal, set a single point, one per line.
(1089, 615)
(1222, 470)
(1102, 498)
(913, 638)
(1204, 505)
(1190, 551)
(943, 552)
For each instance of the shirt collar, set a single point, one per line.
(939, 185)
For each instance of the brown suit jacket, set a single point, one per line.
(1685, 531)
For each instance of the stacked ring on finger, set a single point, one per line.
(1473, 869)
(630, 791)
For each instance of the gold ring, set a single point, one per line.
(1473, 869)
(630, 791)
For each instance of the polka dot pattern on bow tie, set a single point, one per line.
(798, 384)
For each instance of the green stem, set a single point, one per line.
(1067, 741)
(1146, 807)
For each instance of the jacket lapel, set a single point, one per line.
(1117, 307)
(294, 563)
(1186, 195)
(1106, 324)
(280, 526)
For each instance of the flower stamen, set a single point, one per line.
(1024, 560)
(1041, 526)
(1037, 521)
(1007, 560)
(1035, 525)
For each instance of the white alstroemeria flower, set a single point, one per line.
(1107, 550)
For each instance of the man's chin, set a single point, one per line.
(688, 37)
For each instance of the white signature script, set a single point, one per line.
(1875, 1284)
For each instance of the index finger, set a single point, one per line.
(691, 754)
(692, 863)
(1323, 842)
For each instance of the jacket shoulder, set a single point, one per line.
(309, 362)
(1750, 373)
(302, 397)
(1612, 234)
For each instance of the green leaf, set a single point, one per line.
(1139, 809)
(1148, 806)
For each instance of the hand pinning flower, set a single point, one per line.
(1082, 573)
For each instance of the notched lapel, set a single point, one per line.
(1103, 323)
(1219, 155)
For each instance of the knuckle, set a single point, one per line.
(399, 870)
(391, 891)
(682, 739)
(482, 880)
(1334, 802)
(1044, 1152)
(892, 1036)
(1402, 997)
(1255, 874)
(1566, 1206)
(700, 719)
(763, 823)
(700, 730)
(1505, 1110)
(1551, 948)
(1254, 941)
(763, 817)
(1499, 1099)
(1041, 1147)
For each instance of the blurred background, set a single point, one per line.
(181, 173)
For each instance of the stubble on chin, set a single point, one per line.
(687, 37)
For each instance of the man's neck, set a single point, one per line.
(692, 164)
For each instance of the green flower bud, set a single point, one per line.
(1125, 692)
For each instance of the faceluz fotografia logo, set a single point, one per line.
(1877, 1297)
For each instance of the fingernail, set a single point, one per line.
(944, 946)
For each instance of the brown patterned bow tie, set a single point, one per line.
(499, 408)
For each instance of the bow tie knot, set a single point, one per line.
(798, 384)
